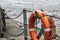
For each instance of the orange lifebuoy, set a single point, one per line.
(45, 22)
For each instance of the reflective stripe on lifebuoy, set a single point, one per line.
(47, 29)
(45, 23)
(32, 29)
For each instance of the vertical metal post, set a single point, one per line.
(1, 24)
(25, 24)
(36, 25)
(41, 31)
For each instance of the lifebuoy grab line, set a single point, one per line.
(45, 22)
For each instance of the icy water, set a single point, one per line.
(14, 8)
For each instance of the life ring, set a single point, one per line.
(45, 22)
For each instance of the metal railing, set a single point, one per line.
(24, 12)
